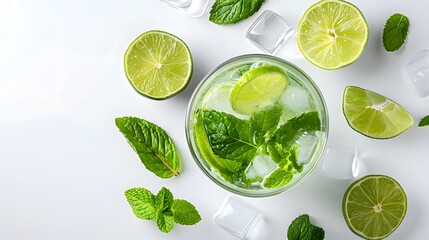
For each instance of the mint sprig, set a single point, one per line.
(395, 32)
(424, 121)
(235, 140)
(155, 148)
(162, 208)
(302, 229)
(233, 11)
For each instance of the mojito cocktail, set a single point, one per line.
(257, 125)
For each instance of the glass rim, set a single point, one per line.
(244, 192)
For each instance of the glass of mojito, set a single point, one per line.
(257, 125)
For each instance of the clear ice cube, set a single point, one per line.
(177, 3)
(415, 73)
(261, 166)
(237, 217)
(191, 8)
(269, 32)
(340, 162)
(296, 99)
(307, 144)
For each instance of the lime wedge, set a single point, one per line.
(158, 64)
(332, 34)
(258, 88)
(374, 206)
(374, 115)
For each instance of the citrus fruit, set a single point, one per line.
(258, 88)
(332, 34)
(374, 115)
(374, 206)
(158, 64)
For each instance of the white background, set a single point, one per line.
(64, 166)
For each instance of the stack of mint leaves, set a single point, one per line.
(162, 208)
(235, 142)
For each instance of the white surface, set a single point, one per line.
(64, 166)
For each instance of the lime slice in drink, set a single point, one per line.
(158, 64)
(258, 88)
(374, 206)
(374, 115)
(332, 34)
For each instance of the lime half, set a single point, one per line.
(374, 206)
(258, 88)
(374, 115)
(158, 64)
(332, 34)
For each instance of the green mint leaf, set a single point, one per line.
(165, 221)
(302, 229)
(154, 147)
(185, 213)
(163, 199)
(287, 133)
(424, 121)
(226, 168)
(233, 11)
(318, 233)
(282, 156)
(142, 201)
(229, 137)
(163, 208)
(395, 32)
(263, 122)
(279, 177)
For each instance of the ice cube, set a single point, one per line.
(269, 32)
(296, 99)
(415, 73)
(340, 162)
(191, 8)
(177, 3)
(237, 217)
(261, 166)
(237, 73)
(307, 144)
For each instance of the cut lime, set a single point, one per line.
(332, 34)
(374, 206)
(374, 115)
(258, 88)
(158, 64)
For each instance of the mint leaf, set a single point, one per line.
(302, 229)
(318, 233)
(163, 208)
(163, 199)
(263, 122)
(229, 137)
(287, 133)
(424, 121)
(185, 213)
(286, 160)
(165, 221)
(154, 147)
(233, 11)
(278, 178)
(226, 168)
(395, 32)
(142, 201)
